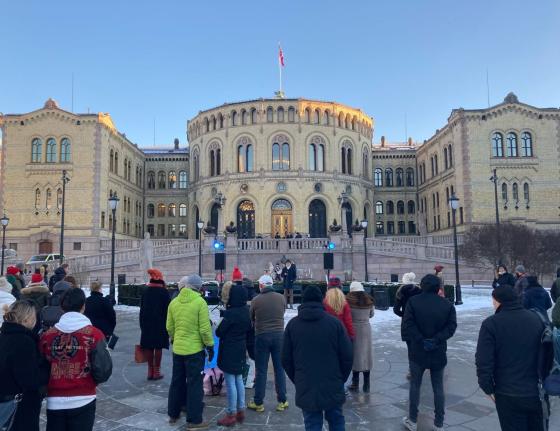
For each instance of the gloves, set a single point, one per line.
(430, 344)
(210, 353)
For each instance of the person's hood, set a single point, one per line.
(187, 295)
(5, 285)
(60, 271)
(72, 322)
(35, 288)
(311, 311)
(267, 289)
(6, 297)
(237, 296)
(509, 306)
(61, 286)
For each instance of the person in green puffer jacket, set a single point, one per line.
(188, 325)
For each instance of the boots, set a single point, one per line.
(355, 381)
(366, 381)
(157, 365)
(149, 355)
(240, 416)
(228, 420)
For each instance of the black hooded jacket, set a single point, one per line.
(232, 331)
(317, 357)
(59, 274)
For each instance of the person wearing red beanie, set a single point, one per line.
(236, 275)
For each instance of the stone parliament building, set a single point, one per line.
(273, 168)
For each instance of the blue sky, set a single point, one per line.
(140, 60)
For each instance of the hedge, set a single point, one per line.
(384, 294)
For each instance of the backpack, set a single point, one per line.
(213, 382)
(547, 371)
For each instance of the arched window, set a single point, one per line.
(347, 121)
(221, 121)
(36, 150)
(151, 180)
(497, 145)
(411, 207)
(213, 123)
(37, 198)
(48, 199)
(526, 145)
(183, 179)
(316, 117)
(307, 118)
(218, 161)
(253, 116)
(346, 157)
(436, 163)
(379, 208)
(125, 167)
(317, 154)
(116, 165)
(388, 177)
(409, 177)
(378, 177)
(172, 180)
(379, 228)
(129, 170)
(280, 153)
(353, 123)
(172, 210)
(450, 155)
(161, 210)
(182, 210)
(400, 207)
(161, 180)
(206, 125)
(59, 198)
(51, 150)
(111, 160)
(151, 211)
(249, 158)
(196, 167)
(65, 150)
(234, 118)
(317, 219)
(269, 114)
(400, 177)
(504, 192)
(244, 117)
(526, 192)
(343, 159)
(515, 192)
(244, 155)
(445, 158)
(341, 120)
(291, 114)
(246, 219)
(280, 114)
(390, 207)
(326, 118)
(365, 164)
(511, 149)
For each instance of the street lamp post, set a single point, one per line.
(4, 220)
(364, 225)
(65, 180)
(494, 179)
(454, 203)
(113, 203)
(200, 225)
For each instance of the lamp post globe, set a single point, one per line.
(454, 204)
(4, 221)
(200, 225)
(113, 204)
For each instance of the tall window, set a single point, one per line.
(59, 198)
(291, 114)
(116, 165)
(316, 117)
(215, 161)
(172, 180)
(497, 145)
(36, 150)
(161, 180)
(151, 180)
(307, 116)
(51, 150)
(436, 163)
(233, 118)
(526, 145)
(172, 210)
(515, 192)
(221, 121)
(244, 155)
(411, 207)
(280, 114)
(48, 199)
(125, 167)
(365, 164)
(161, 210)
(511, 149)
(65, 150)
(379, 208)
(253, 116)
(183, 179)
(244, 117)
(346, 158)
(317, 154)
(326, 118)
(378, 177)
(399, 175)
(196, 167)
(388, 177)
(401, 227)
(182, 210)
(504, 192)
(526, 192)
(390, 228)
(269, 115)
(379, 228)
(150, 211)
(445, 158)
(409, 177)
(390, 207)
(111, 161)
(37, 198)
(450, 155)
(280, 153)
(400, 207)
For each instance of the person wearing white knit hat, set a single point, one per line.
(405, 292)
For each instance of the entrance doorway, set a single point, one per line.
(282, 223)
(45, 247)
(317, 219)
(246, 219)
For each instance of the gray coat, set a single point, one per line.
(363, 350)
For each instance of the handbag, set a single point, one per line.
(8, 413)
(112, 341)
(139, 356)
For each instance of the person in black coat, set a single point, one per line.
(21, 369)
(232, 331)
(289, 274)
(555, 288)
(153, 317)
(503, 277)
(536, 297)
(59, 274)
(507, 361)
(317, 356)
(405, 292)
(429, 321)
(100, 311)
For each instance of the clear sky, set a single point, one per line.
(140, 60)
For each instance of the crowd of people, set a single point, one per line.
(53, 346)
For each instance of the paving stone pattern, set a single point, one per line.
(129, 402)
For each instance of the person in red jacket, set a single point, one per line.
(79, 360)
(336, 305)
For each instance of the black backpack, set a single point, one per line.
(546, 351)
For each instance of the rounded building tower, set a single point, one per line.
(280, 166)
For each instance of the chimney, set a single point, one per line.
(383, 141)
(176, 142)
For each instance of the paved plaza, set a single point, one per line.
(129, 402)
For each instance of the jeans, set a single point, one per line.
(314, 420)
(416, 374)
(235, 393)
(519, 413)
(80, 419)
(269, 344)
(186, 386)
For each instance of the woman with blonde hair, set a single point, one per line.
(336, 305)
